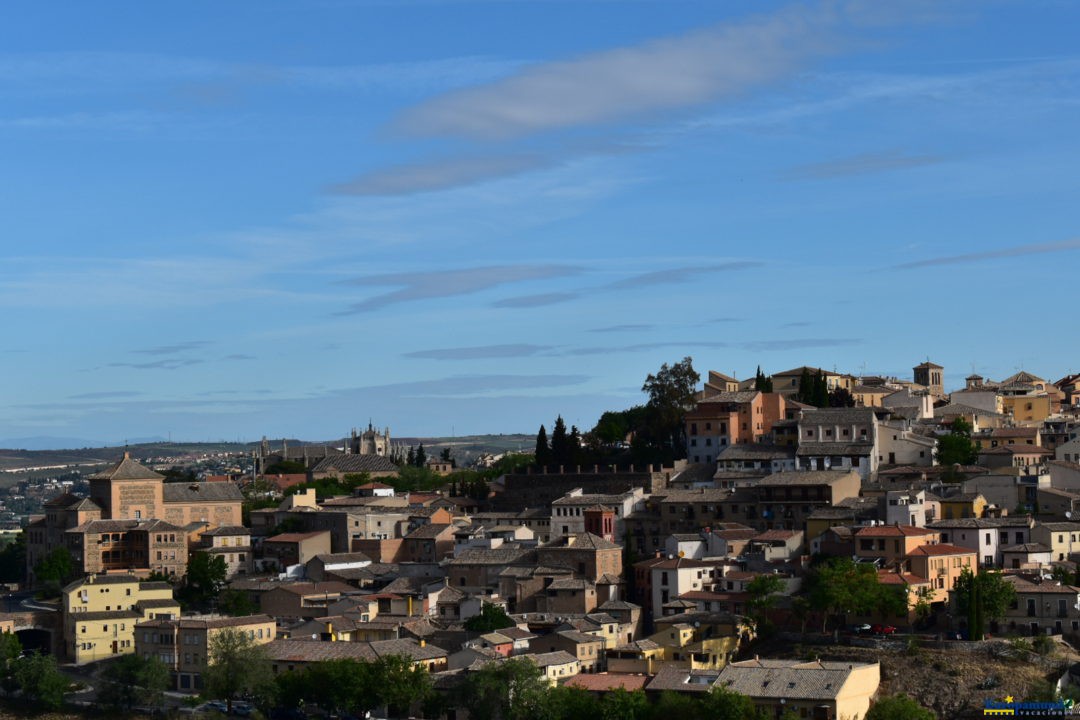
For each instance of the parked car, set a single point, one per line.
(861, 629)
(883, 630)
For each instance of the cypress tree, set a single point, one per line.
(821, 391)
(421, 456)
(560, 443)
(410, 458)
(806, 387)
(543, 452)
(767, 385)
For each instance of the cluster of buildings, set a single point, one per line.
(612, 577)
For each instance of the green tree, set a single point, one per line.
(805, 394)
(446, 456)
(678, 705)
(898, 707)
(923, 607)
(821, 390)
(13, 560)
(622, 705)
(840, 586)
(543, 450)
(10, 650)
(55, 569)
(39, 679)
(421, 455)
(401, 683)
(957, 448)
(841, 397)
(763, 590)
(615, 426)
(571, 703)
(982, 597)
(206, 575)
(236, 603)
(410, 458)
(723, 704)
(492, 617)
(560, 443)
(512, 690)
(671, 393)
(132, 680)
(285, 467)
(236, 665)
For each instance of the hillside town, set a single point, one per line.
(805, 508)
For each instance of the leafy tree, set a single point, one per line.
(615, 426)
(236, 665)
(543, 450)
(622, 705)
(898, 707)
(671, 393)
(206, 575)
(560, 443)
(982, 597)
(763, 590)
(841, 397)
(132, 680)
(723, 704)
(39, 679)
(678, 705)
(840, 586)
(13, 560)
(512, 690)
(55, 569)
(10, 650)
(571, 703)
(923, 608)
(492, 617)
(236, 603)
(400, 682)
(957, 448)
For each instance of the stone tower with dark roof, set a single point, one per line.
(931, 376)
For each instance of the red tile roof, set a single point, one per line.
(892, 531)
(941, 549)
(604, 682)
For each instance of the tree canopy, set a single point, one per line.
(898, 707)
(236, 665)
(982, 597)
(957, 448)
(491, 617)
(132, 680)
(671, 393)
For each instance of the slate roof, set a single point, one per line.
(756, 452)
(490, 556)
(582, 541)
(569, 584)
(202, 492)
(295, 537)
(227, 530)
(941, 549)
(355, 464)
(127, 469)
(786, 679)
(559, 657)
(428, 531)
(315, 651)
(804, 477)
(740, 396)
(1026, 548)
(835, 448)
(838, 416)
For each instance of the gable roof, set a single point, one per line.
(127, 469)
(355, 464)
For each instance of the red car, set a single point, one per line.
(883, 629)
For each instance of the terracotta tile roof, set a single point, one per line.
(355, 464)
(201, 492)
(892, 531)
(941, 549)
(606, 682)
(127, 469)
(295, 537)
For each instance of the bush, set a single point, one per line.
(1042, 644)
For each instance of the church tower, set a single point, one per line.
(930, 376)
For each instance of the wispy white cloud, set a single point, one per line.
(441, 174)
(174, 348)
(450, 282)
(661, 75)
(480, 352)
(860, 165)
(1017, 251)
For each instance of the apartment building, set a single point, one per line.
(100, 614)
(183, 644)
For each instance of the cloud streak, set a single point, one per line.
(479, 352)
(173, 349)
(1018, 251)
(860, 165)
(661, 75)
(450, 283)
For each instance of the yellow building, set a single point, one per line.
(1027, 408)
(814, 689)
(100, 614)
(967, 505)
(183, 644)
(704, 645)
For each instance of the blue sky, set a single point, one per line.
(224, 220)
